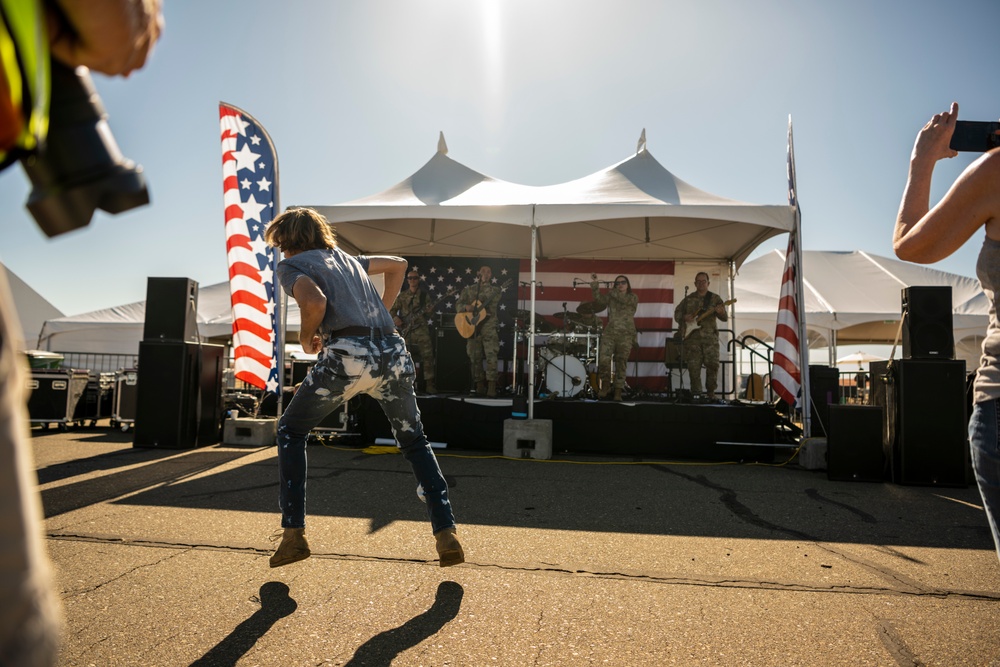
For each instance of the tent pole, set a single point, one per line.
(530, 362)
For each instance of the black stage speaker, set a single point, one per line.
(171, 310)
(179, 395)
(927, 331)
(824, 390)
(854, 444)
(925, 428)
(452, 364)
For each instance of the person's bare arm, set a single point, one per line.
(924, 234)
(114, 37)
(312, 308)
(394, 270)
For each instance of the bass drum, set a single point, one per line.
(565, 376)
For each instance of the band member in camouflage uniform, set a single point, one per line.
(701, 347)
(486, 341)
(409, 314)
(619, 334)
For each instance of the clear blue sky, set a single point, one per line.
(536, 92)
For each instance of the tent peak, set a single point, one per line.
(641, 146)
(442, 146)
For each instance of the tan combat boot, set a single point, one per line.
(449, 550)
(618, 394)
(292, 549)
(491, 391)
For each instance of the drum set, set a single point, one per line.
(565, 364)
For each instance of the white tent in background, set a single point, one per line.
(118, 330)
(635, 209)
(32, 309)
(852, 298)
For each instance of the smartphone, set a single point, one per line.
(975, 136)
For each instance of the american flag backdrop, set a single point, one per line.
(250, 193)
(652, 281)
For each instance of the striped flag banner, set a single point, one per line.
(652, 281)
(786, 371)
(250, 193)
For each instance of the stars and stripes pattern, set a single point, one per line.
(249, 172)
(786, 371)
(563, 284)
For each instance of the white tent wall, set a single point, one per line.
(32, 309)
(854, 298)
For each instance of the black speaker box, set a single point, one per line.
(824, 390)
(854, 444)
(925, 427)
(179, 395)
(927, 331)
(171, 310)
(452, 364)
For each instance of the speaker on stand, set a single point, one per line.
(927, 326)
(171, 310)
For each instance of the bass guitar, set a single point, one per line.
(701, 316)
(414, 318)
(468, 323)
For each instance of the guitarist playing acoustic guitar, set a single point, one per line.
(476, 320)
(701, 310)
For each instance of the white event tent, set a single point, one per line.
(853, 298)
(31, 307)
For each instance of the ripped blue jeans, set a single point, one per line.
(348, 366)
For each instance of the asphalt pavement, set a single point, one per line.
(161, 558)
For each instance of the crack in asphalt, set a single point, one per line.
(895, 645)
(707, 582)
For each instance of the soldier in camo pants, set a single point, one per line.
(701, 346)
(619, 334)
(409, 314)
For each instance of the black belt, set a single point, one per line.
(377, 332)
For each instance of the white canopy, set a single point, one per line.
(118, 330)
(852, 297)
(32, 309)
(635, 209)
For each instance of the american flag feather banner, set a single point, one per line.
(786, 372)
(250, 193)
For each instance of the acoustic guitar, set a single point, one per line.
(414, 318)
(469, 323)
(701, 316)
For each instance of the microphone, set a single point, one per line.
(564, 306)
(541, 287)
(685, 290)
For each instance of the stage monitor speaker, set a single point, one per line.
(824, 390)
(925, 428)
(179, 395)
(171, 310)
(452, 364)
(927, 330)
(854, 444)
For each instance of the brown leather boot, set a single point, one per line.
(491, 390)
(480, 387)
(618, 394)
(449, 550)
(292, 549)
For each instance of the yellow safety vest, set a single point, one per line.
(24, 59)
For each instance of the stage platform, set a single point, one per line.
(721, 431)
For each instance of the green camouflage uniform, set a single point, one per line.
(486, 341)
(701, 348)
(618, 337)
(409, 308)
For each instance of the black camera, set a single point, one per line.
(80, 168)
(975, 136)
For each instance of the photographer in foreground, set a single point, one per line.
(113, 37)
(925, 235)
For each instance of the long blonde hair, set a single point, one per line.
(300, 229)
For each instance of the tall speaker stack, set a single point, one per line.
(925, 434)
(179, 392)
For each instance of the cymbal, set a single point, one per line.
(590, 307)
(542, 325)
